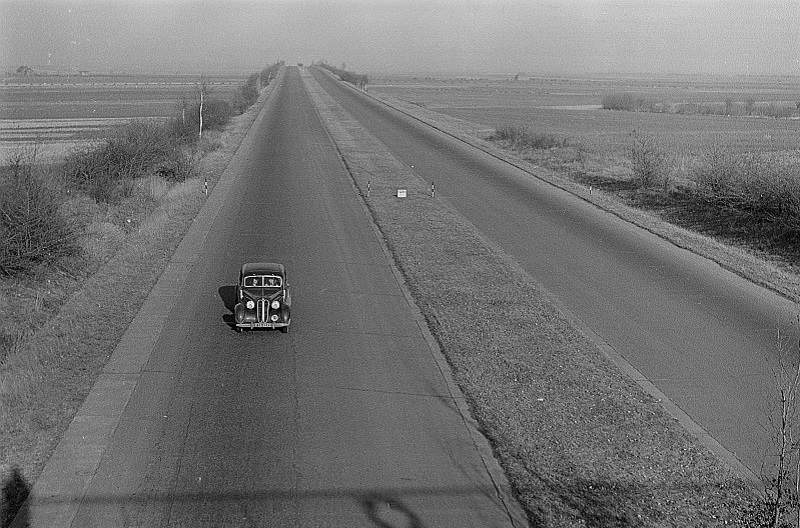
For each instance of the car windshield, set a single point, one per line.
(263, 281)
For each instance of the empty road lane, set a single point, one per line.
(705, 337)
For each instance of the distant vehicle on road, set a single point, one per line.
(263, 299)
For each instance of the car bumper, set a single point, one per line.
(270, 325)
(244, 318)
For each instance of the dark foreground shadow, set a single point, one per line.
(227, 295)
(383, 508)
(388, 512)
(13, 492)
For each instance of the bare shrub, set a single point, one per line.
(779, 506)
(524, 137)
(649, 163)
(210, 142)
(353, 78)
(33, 228)
(753, 184)
(270, 72)
(106, 171)
(216, 114)
(247, 94)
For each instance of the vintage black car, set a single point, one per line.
(262, 297)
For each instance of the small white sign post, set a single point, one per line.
(402, 193)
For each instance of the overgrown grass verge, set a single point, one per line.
(581, 443)
(61, 324)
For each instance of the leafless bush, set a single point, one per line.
(753, 184)
(33, 229)
(524, 137)
(780, 504)
(649, 163)
(106, 172)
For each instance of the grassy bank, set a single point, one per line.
(581, 443)
(62, 315)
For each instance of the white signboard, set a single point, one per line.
(402, 193)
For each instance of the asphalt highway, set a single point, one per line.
(348, 420)
(704, 337)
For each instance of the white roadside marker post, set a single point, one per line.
(200, 133)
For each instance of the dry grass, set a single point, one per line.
(581, 443)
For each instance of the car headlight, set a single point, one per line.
(250, 304)
(275, 304)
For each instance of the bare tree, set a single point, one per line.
(781, 501)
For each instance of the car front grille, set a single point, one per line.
(262, 310)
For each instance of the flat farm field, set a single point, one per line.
(57, 113)
(571, 108)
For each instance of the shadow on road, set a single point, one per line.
(387, 508)
(228, 296)
(387, 512)
(13, 493)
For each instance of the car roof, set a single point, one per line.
(263, 268)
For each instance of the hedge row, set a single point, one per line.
(347, 76)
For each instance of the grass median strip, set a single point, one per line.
(581, 443)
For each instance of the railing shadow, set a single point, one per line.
(384, 508)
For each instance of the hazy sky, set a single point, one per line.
(478, 36)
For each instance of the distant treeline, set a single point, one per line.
(636, 103)
(355, 79)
